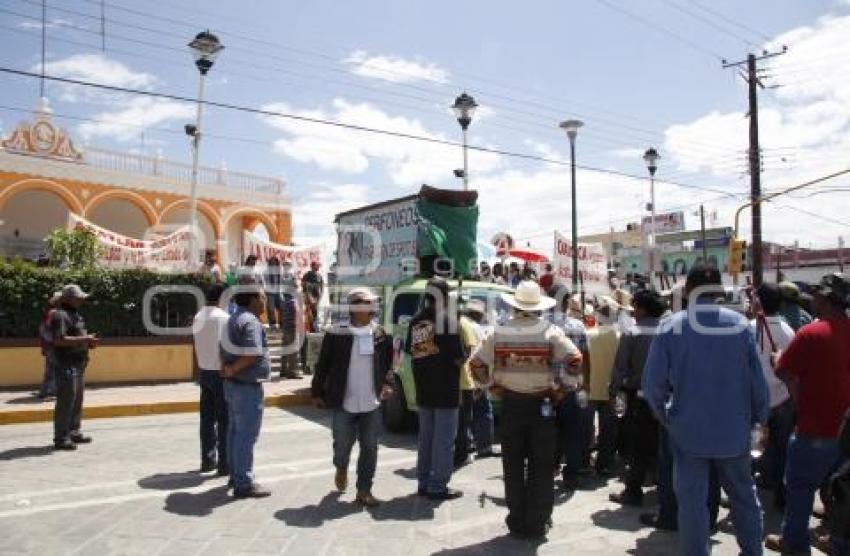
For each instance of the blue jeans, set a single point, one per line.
(572, 446)
(691, 482)
(435, 462)
(810, 460)
(668, 508)
(245, 417)
(213, 409)
(364, 428)
(482, 422)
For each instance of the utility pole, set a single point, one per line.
(753, 82)
(702, 234)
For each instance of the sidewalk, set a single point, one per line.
(21, 406)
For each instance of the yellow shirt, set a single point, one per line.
(602, 343)
(469, 339)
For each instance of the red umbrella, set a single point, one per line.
(524, 254)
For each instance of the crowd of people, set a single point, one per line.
(696, 399)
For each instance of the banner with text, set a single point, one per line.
(300, 257)
(167, 253)
(592, 264)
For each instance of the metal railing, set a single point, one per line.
(180, 172)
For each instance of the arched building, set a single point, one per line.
(44, 177)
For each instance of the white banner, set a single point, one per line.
(592, 264)
(665, 223)
(300, 257)
(165, 254)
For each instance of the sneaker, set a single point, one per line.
(208, 465)
(254, 491)
(448, 494)
(80, 439)
(365, 498)
(341, 479)
(66, 444)
(627, 498)
(777, 544)
(651, 520)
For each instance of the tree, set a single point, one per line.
(76, 249)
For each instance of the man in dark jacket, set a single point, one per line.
(353, 375)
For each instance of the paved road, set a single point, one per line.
(134, 491)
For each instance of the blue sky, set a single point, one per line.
(649, 77)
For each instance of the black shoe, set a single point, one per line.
(66, 444)
(627, 498)
(487, 454)
(208, 465)
(570, 482)
(421, 492)
(462, 462)
(651, 520)
(448, 494)
(80, 439)
(254, 491)
(223, 471)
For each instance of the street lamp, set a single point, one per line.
(205, 48)
(464, 108)
(651, 158)
(572, 127)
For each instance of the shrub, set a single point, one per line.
(115, 305)
(76, 249)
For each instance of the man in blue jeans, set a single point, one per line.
(437, 355)
(352, 376)
(816, 366)
(245, 356)
(704, 382)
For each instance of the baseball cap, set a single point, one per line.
(73, 291)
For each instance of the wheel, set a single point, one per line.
(397, 417)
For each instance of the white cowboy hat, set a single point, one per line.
(575, 307)
(623, 299)
(528, 297)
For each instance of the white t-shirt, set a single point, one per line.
(782, 335)
(207, 328)
(360, 387)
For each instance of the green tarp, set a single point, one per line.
(448, 232)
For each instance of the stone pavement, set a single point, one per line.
(22, 406)
(134, 491)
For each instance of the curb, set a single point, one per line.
(157, 408)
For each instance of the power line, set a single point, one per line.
(343, 125)
(730, 21)
(709, 22)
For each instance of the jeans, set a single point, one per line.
(606, 441)
(641, 431)
(482, 422)
(67, 414)
(434, 465)
(780, 425)
(245, 417)
(528, 457)
(570, 446)
(668, 508)
(810, 461)
(48, 380)
(464, 425)
(691, 482)
(365, 429)
(213, 418)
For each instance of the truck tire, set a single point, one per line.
(397, 417)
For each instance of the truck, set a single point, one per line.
(393, 247)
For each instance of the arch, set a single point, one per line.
(140, 202)
(71, 201)
(203, 208)
(254, 213)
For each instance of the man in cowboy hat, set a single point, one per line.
(353, 375)
(71, 345)
(521, 360)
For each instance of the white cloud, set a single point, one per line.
(313, 214)
(804, 129)
(394, 68)
(94, 68)
(126, 121)
(408, 162)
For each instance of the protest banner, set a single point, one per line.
(300, 257)
(592, 264)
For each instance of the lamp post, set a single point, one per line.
(205, 48)
(651, 157)
(464, 108)
(572, 127)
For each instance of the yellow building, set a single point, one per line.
(44, 176)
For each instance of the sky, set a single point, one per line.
(638, 74)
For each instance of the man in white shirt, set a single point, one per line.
(207, 329)
(352, 376)
(774, 334)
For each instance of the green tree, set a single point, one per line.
(76, 249)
